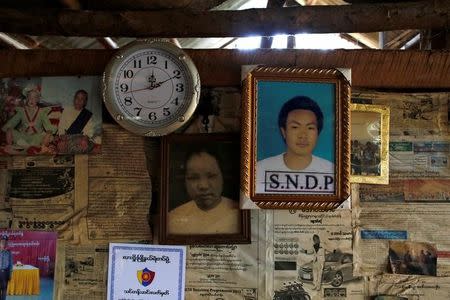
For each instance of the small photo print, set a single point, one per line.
(369, 143)
(412, 258)
(366, 143)
(50, 115)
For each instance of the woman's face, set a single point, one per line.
(33, 98)
(204, 181)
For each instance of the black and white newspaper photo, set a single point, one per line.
(311, 256)
(41, 193)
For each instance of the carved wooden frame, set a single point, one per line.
(299, 200)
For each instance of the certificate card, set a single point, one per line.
(139, 271)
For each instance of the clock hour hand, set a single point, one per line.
(161, 82)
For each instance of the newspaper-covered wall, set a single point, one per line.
(412, 114)
(409, 287)
(114, 195)
(119, 190)
(377, 225)
(400, 227)
(88, 200)
(93, 200)
(233, 272)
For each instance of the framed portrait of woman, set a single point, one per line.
(200, 190)
(295, 138)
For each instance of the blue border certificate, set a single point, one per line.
(139, 271)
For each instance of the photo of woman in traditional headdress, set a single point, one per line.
(30, 125)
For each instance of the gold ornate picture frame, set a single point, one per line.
(369, 143)
(295, 138)
(200, 190)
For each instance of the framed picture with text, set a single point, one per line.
(295, 138)
(200, 190)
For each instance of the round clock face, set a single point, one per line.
(151, 88)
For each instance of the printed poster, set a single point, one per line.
(139, 271)
(33, 264)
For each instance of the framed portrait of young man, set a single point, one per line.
(369, 143)
(295, 138)
(200, 190)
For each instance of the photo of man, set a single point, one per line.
(318, 261)
(304, 160)
(77, 119)
(77, 129)
(6, 266)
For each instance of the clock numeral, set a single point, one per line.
(165, 65)
(128, 74)
(166, 111)
(138, 109)
(177, 74)
(152, 116)
(151, 60)
(137, 64)
(128, 101)
(179, 87)
(174, 101)
(124, 87)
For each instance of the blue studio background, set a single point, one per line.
(271, 95)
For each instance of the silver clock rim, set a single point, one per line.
(115, 110)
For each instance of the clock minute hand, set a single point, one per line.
(151, 87)
(146, 88)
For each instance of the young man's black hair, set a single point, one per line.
(300, 102)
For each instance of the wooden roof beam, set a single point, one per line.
(370, 68)
(400, 39)
(19, 42)
(112, 4)
(375, 1)
(267, 41)
(132, 5)
(354, 40)
(265, 22)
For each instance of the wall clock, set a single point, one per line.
(151, 88)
